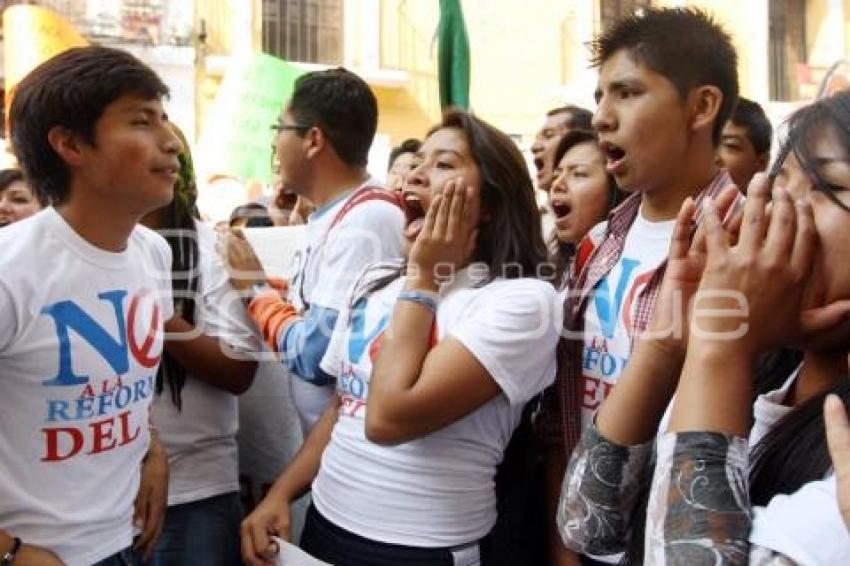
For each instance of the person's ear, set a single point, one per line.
(314, 141)
(704, 102)
(66, 144)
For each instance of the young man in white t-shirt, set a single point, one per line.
(84, 292)
(667, 84)
(323, 140)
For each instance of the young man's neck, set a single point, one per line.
(820, 372)
(332, 182)
(663, 203)
(104, 229)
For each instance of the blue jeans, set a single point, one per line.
(201, 532)
(326, 541)
(126, 557)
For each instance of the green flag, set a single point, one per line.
(453, 56)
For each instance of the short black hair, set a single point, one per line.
(580, 118)
(71, 90)
(750, 116)
(410, 145)
(255, 214)
(685, 45)
(343, 106)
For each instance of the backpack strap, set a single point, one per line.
(361, 195)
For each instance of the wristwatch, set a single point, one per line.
(9, 558)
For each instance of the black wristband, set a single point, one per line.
(9, 558)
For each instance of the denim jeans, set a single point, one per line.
(335, 545)
(126, 557)
(201, 532)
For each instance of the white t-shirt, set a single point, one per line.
(438, 490)
(806, 525)
(330, 263)
(80, 343)
(612, 308)
(200, 438)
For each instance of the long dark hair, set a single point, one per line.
(180, 232)
(794, 452)
(511, 241)
(808, 125)
(799, 437)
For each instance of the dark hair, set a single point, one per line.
(750, 116)
(794, 452)
(685, 45)
(564, 252)
(806, 126)
(410, 145)
(580, 118)
(181, 233)
(341, 104)
(511, 241)
(9, 176)
(71, 90)
(256, 215)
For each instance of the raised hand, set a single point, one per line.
(448, 236)
(838, 438)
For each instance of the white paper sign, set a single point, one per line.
(277, 248)
(291, 555)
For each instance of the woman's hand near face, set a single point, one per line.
(749, 299)
(448, 237)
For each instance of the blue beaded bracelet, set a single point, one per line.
(427, 300)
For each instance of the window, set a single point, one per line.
(303, 30)
(787, 48)
(610, 11)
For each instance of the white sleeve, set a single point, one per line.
(10, 316)
(512, 332)
(805, 526)
(371, 232)
(222, 311)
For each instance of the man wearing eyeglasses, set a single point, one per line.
(322, 145)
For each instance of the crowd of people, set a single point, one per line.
(649, 364)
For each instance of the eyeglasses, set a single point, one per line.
(280, 127)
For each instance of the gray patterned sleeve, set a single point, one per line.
(598, 494)
(699, 508)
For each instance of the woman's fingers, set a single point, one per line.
(805, 244)
(752, 225)
(681, 241)
(715, 235)
(454, 227)
(442, 220)
(782, 230)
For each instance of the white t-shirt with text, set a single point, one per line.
(80, 343)
(612, 308)
(328, 265)
(437, 490)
